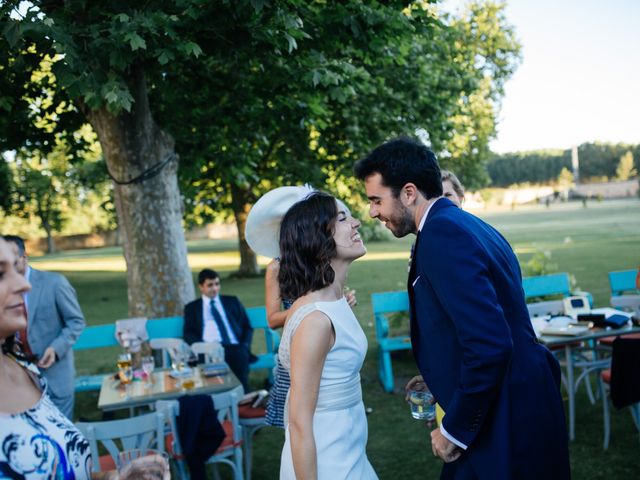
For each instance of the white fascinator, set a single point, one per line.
(262, 230)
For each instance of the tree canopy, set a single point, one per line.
(243, 96)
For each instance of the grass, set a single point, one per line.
(586, 242)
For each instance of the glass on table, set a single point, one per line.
(125, 369)
(148, 365)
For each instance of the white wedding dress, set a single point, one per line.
(339, 422)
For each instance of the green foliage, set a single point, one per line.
(598, 162)
(538, 264)
(626, 169)
(348, 76)
(535, 167)
(371, 230)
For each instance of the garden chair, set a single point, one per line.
(230, 451)
(385, 304)
(141, 432)
(168, 347)
(620, 383)
(213, 352)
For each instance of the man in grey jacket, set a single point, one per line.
(54, 323)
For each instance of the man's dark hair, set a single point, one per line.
(307, 246)
(401, 161)
(18, 241)
(207, 274)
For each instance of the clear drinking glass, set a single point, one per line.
(148, 364)
(422, 405)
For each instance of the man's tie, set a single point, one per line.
(220, 323)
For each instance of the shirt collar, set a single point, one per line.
(426, 213)
(206, 299)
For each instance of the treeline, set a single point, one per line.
(598, 162)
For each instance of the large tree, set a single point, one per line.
(108, 57)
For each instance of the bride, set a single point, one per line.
(323, 345)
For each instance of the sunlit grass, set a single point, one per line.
(587, 243)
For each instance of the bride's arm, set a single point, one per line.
(309, 347)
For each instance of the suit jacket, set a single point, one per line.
(477, 351)
(236, 314)
(54, 319)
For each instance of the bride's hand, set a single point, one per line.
(350, 295)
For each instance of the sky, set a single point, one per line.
(579, 80)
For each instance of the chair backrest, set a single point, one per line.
(625, 365)
(142, 432)
(547, 285)
(258, 320)
(384, 303)
(628, 303)
(166, 345)
(623, 281)
(226, 405)
(212, 351)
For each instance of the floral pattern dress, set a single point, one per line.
(41, 443)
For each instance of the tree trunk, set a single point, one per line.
(240, 203)
(149, 209)
(51, 247)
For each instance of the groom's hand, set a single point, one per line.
(443, 448)
(416, 383)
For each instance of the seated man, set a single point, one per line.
(220, 318)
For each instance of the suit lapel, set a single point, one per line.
(199, 316)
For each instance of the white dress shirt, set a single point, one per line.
(210, 332)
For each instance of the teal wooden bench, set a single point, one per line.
(623, 282)
(544, 286)
(385, 304)
(101, 336)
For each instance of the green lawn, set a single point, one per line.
(586, 242)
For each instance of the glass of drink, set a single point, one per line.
(422, 405)
(125, 369)
(148, 364)
(124, 361)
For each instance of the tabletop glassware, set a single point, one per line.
(125, 369)
(148, 365)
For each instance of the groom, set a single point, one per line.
(470, 330)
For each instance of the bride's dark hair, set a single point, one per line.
(307, 246)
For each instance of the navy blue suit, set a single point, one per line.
(477, 351)
(238, 357)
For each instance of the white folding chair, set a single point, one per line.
(230, 452)
(141, 432)
(628, 303)
(166, 345)
(213, 351)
